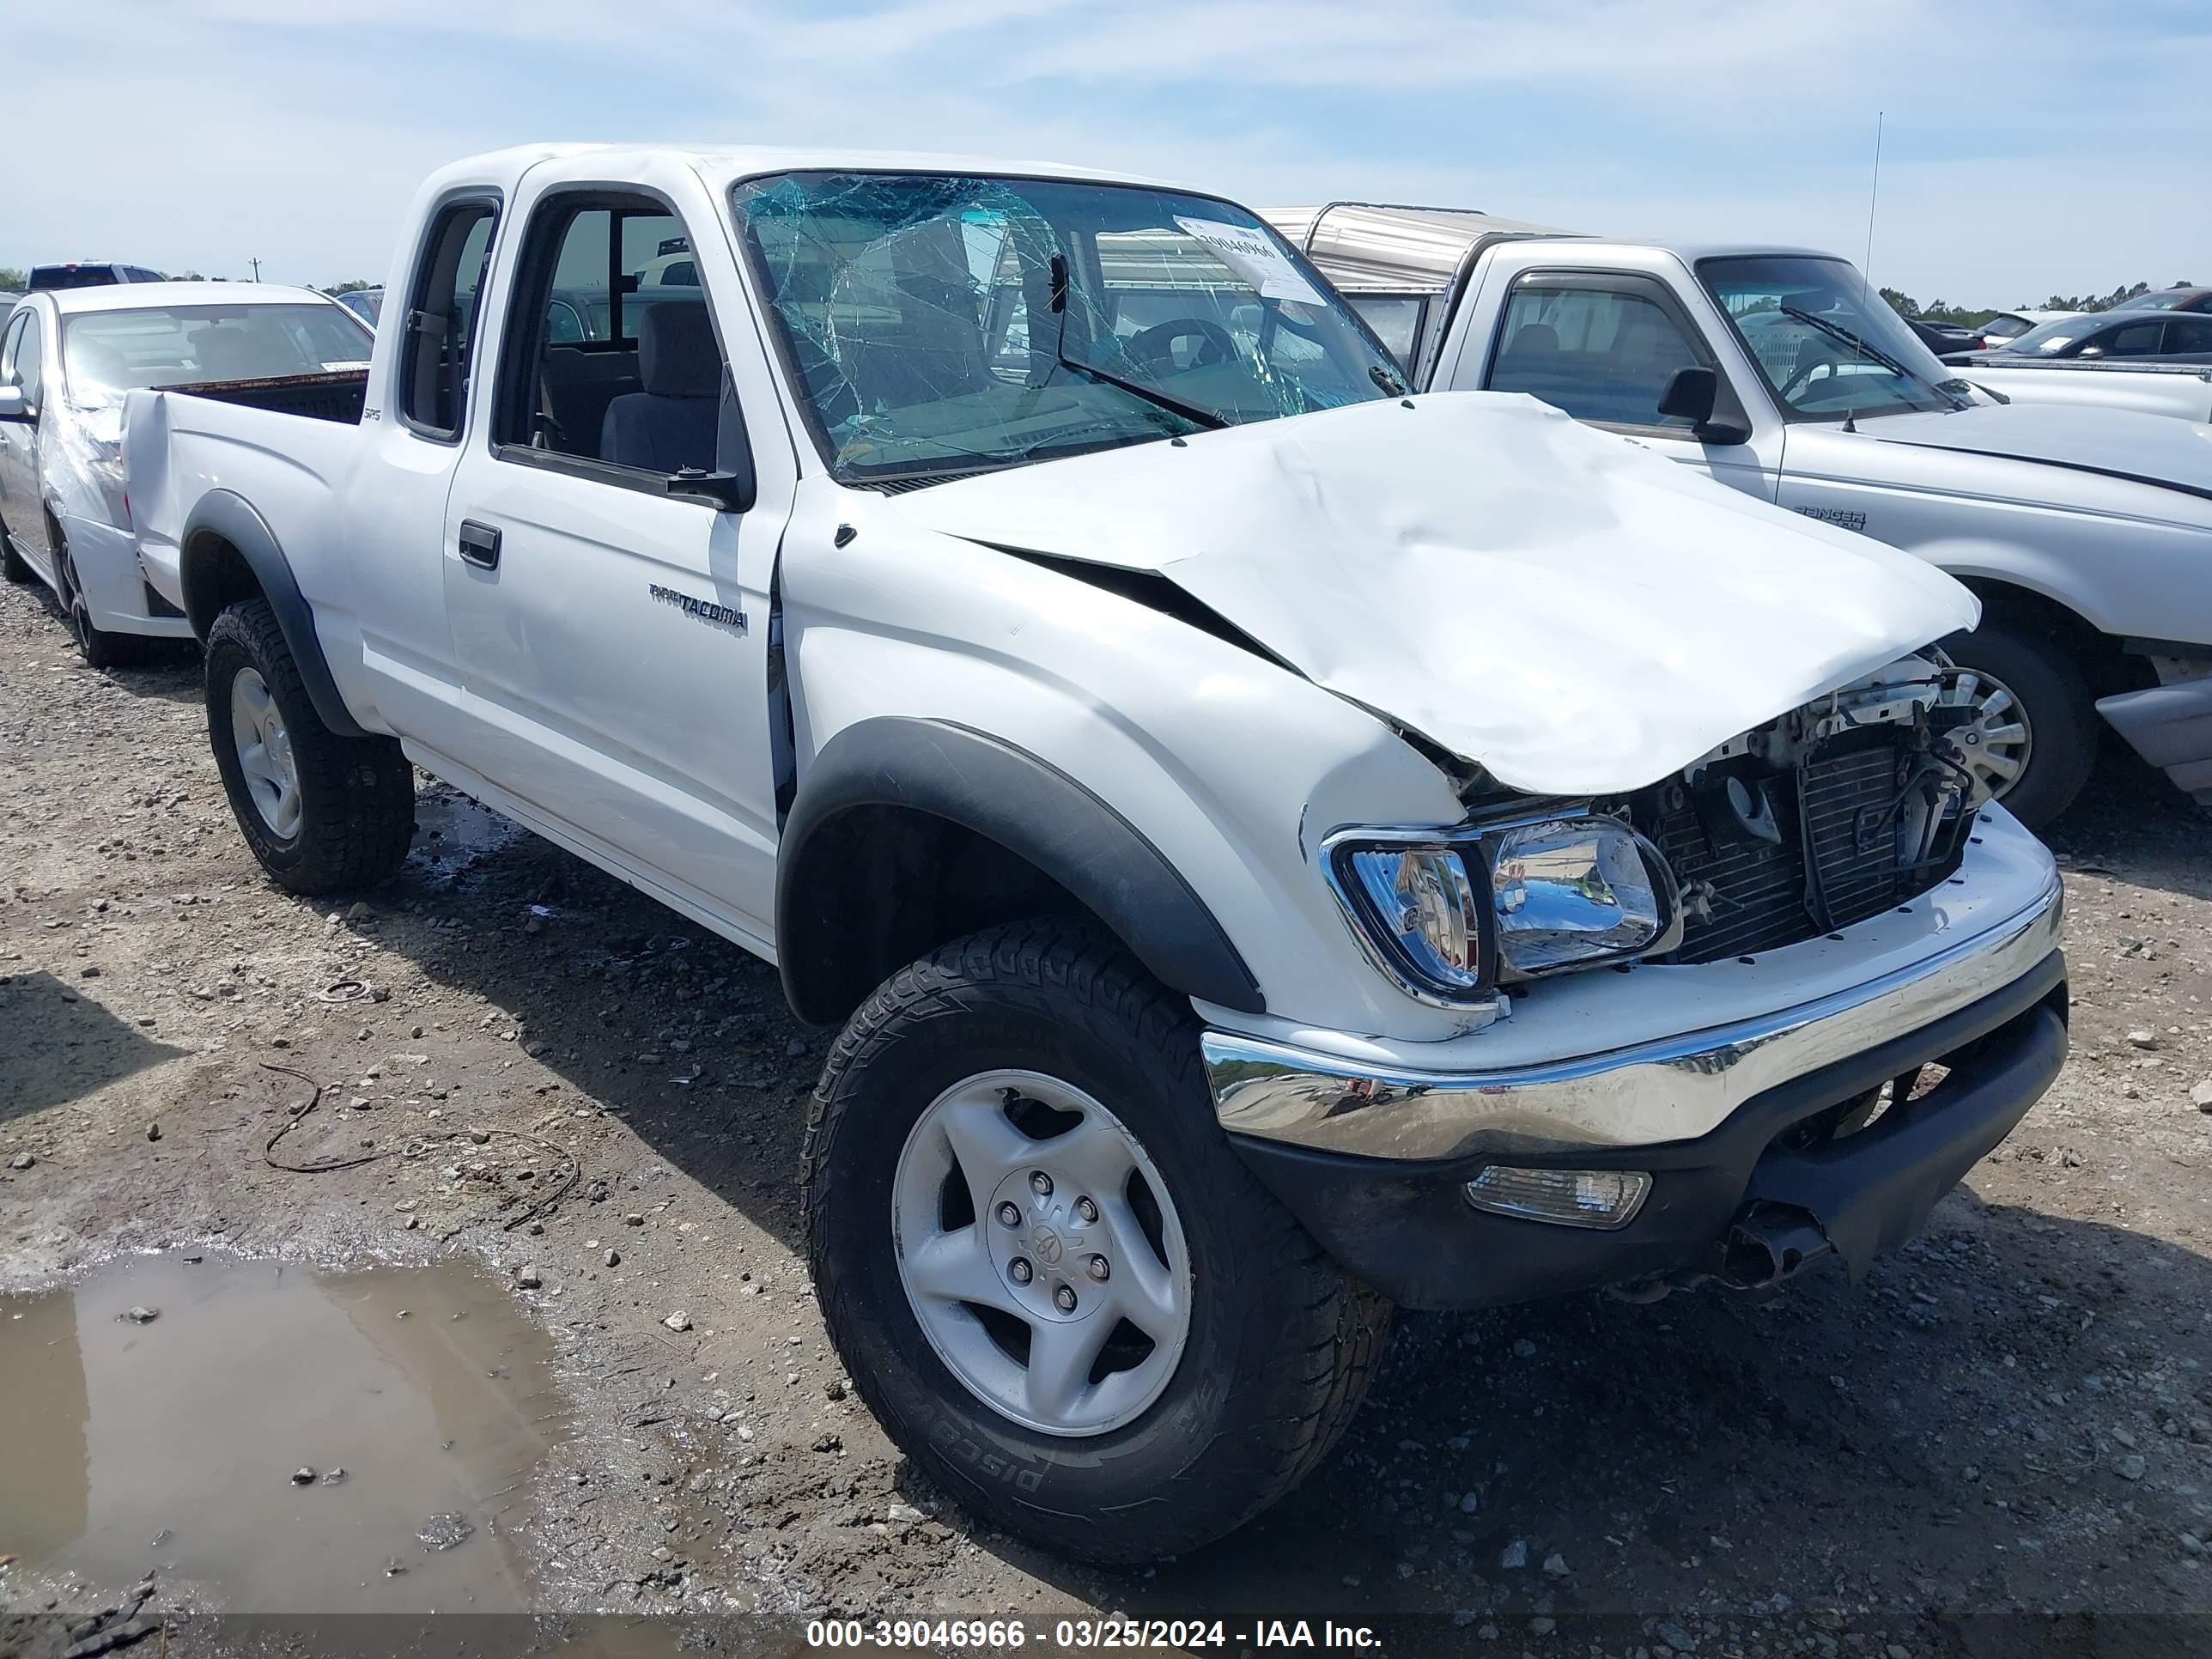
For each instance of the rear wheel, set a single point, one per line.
(2032, 739)
(1047, 1272)
(322, 813)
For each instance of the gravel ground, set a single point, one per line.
(2000, 1442)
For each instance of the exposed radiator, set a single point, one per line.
(1755, 893)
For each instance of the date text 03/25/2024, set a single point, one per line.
(1076, 1634)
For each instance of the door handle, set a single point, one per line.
(479, 544)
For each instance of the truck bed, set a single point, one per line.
(335, 396)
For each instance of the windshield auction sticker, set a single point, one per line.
(1254, 258)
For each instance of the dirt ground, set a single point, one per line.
(2000, 1442)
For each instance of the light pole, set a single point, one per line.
(256, 263)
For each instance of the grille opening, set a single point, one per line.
(1834, 854)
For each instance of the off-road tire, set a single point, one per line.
(357, 794)
(2062, 714)
(1282, 1342)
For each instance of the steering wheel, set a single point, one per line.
(1818, 360)
(1156, 344)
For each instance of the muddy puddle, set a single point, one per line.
(451, 831)
(276, 1439)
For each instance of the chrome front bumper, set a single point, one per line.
(1677, 1089)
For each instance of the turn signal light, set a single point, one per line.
(1603, 1198)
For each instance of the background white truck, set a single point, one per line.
(1220, 796)
(2087, 532)
(2179, 391)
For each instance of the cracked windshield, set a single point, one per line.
(941, 324)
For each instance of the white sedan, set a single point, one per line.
(2008, 325)
(66, 360)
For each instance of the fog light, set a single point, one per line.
(1603, 1198)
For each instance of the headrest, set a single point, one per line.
(676, 356)
(1534, 337)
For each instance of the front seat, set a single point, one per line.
(227, 351)
(670, 425)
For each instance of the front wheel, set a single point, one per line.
(322, 813)
(2032, 738)
(1046, 1271)
(99, 647)
(13, 565)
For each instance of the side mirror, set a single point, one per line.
(2090, 351)
(13, 408)
(732, 492)
(1700, 397)
(1690, 395)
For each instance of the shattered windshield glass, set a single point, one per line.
(936, 323)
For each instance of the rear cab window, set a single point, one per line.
(438, 331)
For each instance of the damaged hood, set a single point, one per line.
(2127, 443)
(1561, 606)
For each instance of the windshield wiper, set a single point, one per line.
(1213, 420)
(1838, 331)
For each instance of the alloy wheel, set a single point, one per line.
(264, 753)
(1997, 742)
(1042, 1254)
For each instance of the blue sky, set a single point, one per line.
(2028, 147)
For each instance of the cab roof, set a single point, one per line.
(1381, 246)
(726, 164)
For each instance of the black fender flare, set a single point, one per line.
(1030, 808)
(226, 515)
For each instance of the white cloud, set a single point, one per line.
(199, 134)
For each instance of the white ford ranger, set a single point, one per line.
(1275, 846)
(2085, 533)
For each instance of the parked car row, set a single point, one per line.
(2174, 337)
(1361, 764)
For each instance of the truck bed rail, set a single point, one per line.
(337, 397)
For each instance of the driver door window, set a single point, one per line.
(643, 392)
(1603, 354)
(2188, 337)
(2136, 340)
(23, 364)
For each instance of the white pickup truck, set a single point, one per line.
(2179, 391)
(2085, 533)
(1275, 846)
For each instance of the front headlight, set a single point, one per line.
(1417, 905)
(1569, 892)
(1450, 914)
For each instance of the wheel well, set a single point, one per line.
(216, 576)
(2107, 668)
(877, 886)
